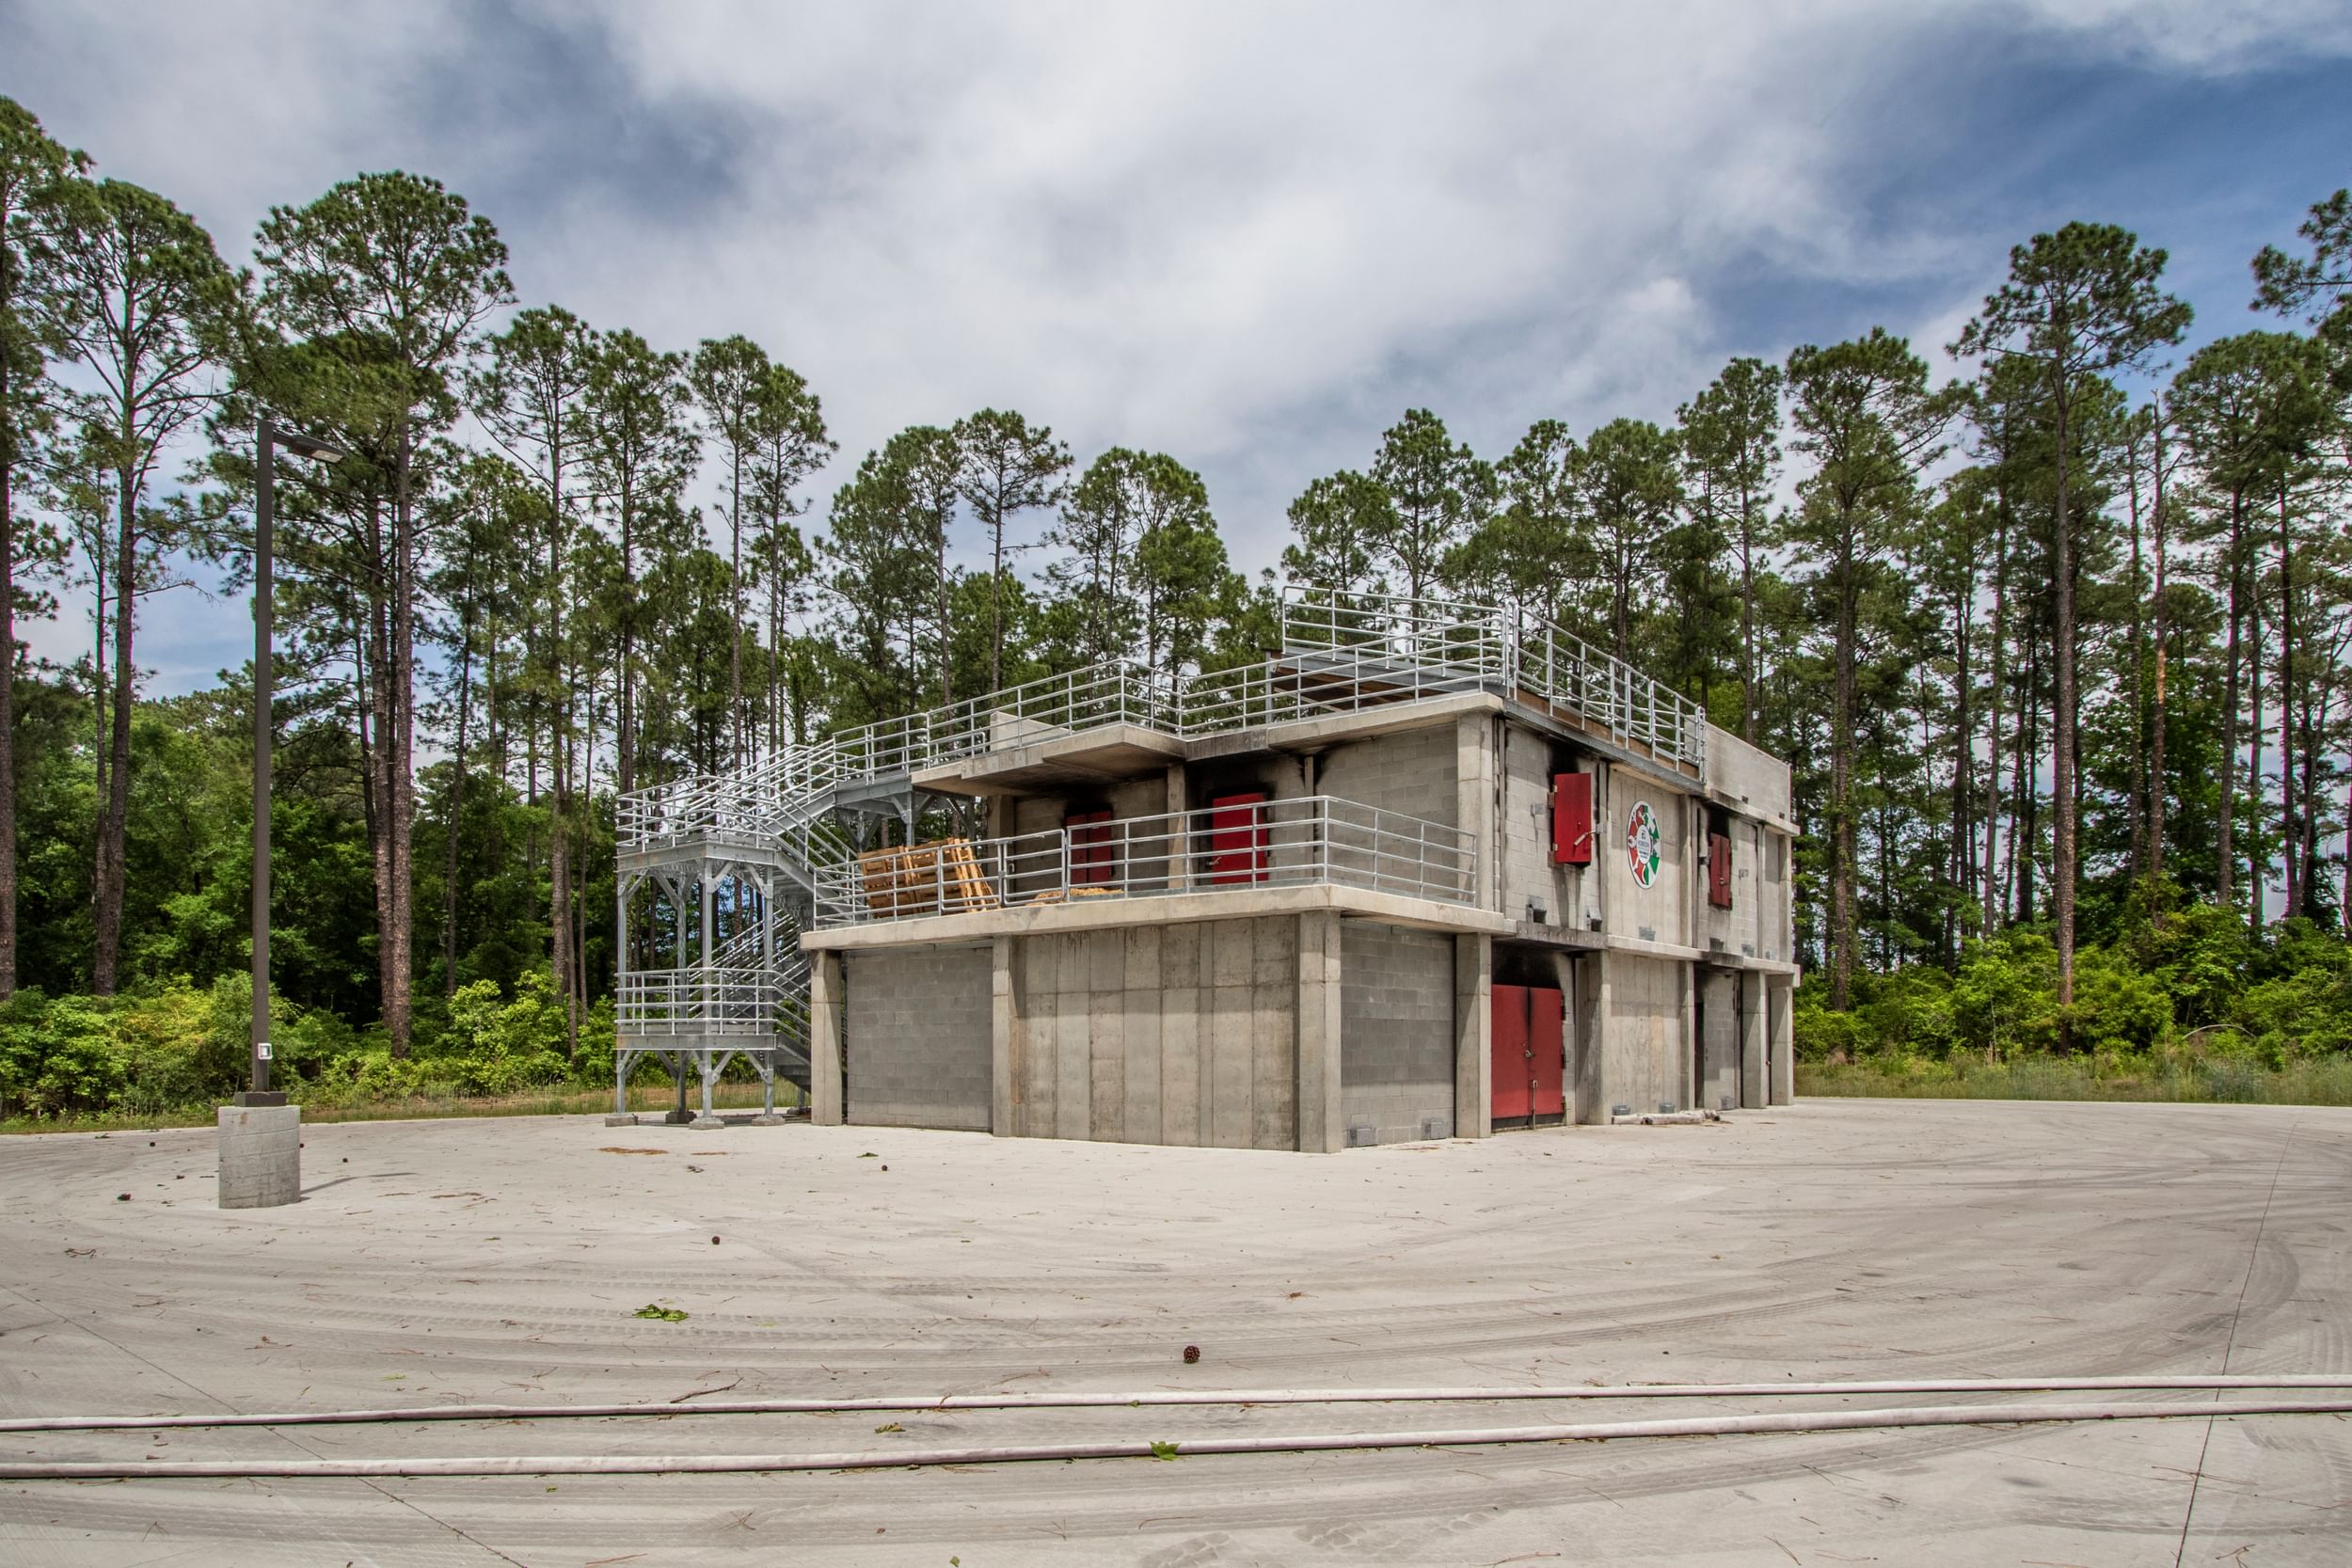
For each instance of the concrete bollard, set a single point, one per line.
(261, 1156)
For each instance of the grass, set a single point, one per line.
(2188, 1080)
(553, 1101)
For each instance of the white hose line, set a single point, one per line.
(724, 1464)
(895, 1403)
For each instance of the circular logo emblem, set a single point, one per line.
(1641, 843)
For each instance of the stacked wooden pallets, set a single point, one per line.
(941, 877)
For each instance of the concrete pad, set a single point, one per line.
(470, 1261)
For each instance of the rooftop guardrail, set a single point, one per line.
(1343, 652)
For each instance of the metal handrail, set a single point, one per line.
(1313, 840)
(698, 1001)
(1343, 652)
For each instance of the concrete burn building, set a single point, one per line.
(1431, 870)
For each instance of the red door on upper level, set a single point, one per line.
(1089, 846)
(1719, 870)
(1238, 838)
(1571, 819)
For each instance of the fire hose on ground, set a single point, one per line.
(2273, 1404)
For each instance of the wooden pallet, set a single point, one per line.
(920, 878)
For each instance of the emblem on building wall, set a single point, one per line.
(1640, 842)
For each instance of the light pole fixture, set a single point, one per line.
(267, 438)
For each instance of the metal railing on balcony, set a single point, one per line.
(658, 1004)
(1315, 840)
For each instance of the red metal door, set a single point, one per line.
(1547, 1057)
(1089, 846)
(1530, 1054)
(1512, 1101)
(1572, 819)
(1237, 838)
(1719, 870)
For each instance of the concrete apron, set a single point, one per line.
(261, 1156)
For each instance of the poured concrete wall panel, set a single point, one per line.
(1719, 1040)
(1182, 1033)
(1645, 1035)
(1756, 780)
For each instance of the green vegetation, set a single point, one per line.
(170, 1052)
(2181, 1005)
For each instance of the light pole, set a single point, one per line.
(266, 440)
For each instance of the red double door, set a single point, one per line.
(1530, 1055)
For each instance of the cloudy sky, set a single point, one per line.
(1249, 235)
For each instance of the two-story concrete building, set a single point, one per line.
(1427, 872)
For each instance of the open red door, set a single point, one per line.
(1572, 819)
(1511, 1097)
(1547, 1059)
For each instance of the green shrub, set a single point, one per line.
(2005, 997)
(167, 1044)
(600, 1037)
(2118, 1007)
(80, 1068)
(494, 1046)
(1824, 1035)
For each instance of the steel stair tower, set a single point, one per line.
(710, 968)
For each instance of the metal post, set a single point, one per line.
(264, 504)
(621, 890)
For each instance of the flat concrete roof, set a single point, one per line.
(1045, 760)
(503, 1260)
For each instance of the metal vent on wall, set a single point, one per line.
(1362, 1135)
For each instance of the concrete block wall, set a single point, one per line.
(1125, 798)
(1182, 1033)
(1412, 773)
(916, 1036)
(1396, 1010)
